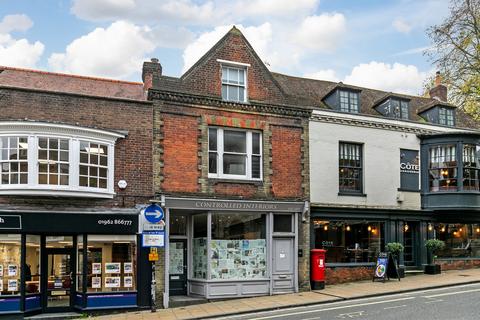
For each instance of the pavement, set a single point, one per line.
(332, 293)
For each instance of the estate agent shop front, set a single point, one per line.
(60, 261)
(231, 248)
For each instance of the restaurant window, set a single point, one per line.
(10, 264)
(13, 160)
(234, 154)
(443, 168)
(238, 246)
(461, 240)
(350, 167)
(199, 247)
(32, 264)
(349, 101)
(471, 167)
(234, 84)
(111, 262)
(349, 241)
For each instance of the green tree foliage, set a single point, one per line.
(456, 52)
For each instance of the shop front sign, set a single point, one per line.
(236, 205)
(10, 222)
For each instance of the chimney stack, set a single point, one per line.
(439, 92)
(151, 73)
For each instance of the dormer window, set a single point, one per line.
(395, 108)
(234, 84)
(446, 117)
(348, 101)
(343, 99)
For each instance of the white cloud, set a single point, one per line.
(401, 25)
(272, 7)
(327, 75)
(398, 77)
(117, 51)
(18, 52)
(145, 11)
(259, 37)
(15, 22)
(322, 32)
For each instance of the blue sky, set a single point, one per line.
(371, 43)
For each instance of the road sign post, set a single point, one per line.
(153, 236)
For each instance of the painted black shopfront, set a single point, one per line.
(82, 261)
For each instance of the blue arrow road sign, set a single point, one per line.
(153, 213)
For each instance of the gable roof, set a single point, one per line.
(312, 92)
(68, 83)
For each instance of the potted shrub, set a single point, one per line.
(433, 246)
(395, 249)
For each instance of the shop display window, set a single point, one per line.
(461, 240)
(199, 246)
(10, 267)
(32, 265)
(238, 246)
(349, 241)
(111, 262)
(178, 225)
(80, 263)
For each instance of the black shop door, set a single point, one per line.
(178, 267)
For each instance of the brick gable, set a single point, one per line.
(205, 76)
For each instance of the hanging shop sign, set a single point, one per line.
(10, 222)
(409, 170)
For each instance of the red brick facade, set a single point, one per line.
(181, 139)
(133, 155)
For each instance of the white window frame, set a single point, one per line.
(448, 117)
(350, 97)
(248, 162)
(240, 67)
(35, 130)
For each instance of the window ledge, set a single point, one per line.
(241, 181)
(25, 191)
(352, 194)
(408, 190)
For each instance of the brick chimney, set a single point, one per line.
(439, 92)
(151, 73)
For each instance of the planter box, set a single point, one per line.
(433, 269)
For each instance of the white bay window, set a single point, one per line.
(234, 154)
(60, 160)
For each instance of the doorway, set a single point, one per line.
(410, 230)
(58, 281)
(178, 267)
(283, 265)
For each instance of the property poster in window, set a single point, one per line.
(96, 268)
(112, 282)
(12, 285)
(128, 282)
(96, 282)
(12, 270)
(1, 270)
(112, 267)
(1, 285)
(127, 267)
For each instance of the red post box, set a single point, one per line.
(317, 269)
